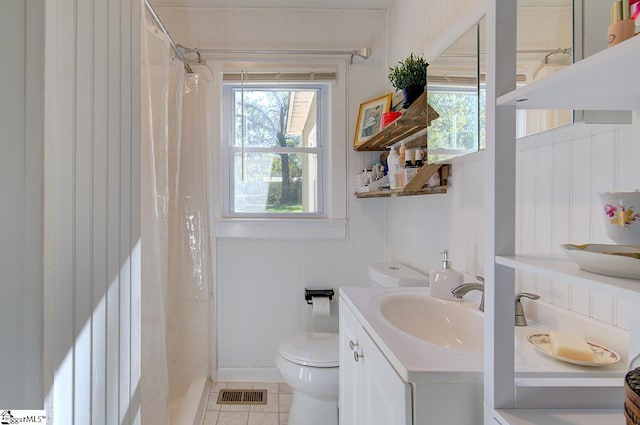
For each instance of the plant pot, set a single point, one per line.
(411, 93)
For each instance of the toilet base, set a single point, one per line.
(305, 410)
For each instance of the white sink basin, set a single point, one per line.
(448, 324)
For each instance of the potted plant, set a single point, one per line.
(410, 76)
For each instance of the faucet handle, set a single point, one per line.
(526, 295)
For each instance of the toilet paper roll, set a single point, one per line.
(321, 306)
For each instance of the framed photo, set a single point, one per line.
(370, 118)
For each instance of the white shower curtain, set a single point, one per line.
(176, 267)
(542, 120)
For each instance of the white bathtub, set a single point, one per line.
(188, 409)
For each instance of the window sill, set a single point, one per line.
(287, 229)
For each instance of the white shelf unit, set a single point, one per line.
(603, 81)
(560, 416)
(559, 267)
(600, 82)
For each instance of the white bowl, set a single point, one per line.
(621, 212)
(611, 260)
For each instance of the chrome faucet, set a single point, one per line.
(461, 290)
(520, 319)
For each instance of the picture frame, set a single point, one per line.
(370, 118)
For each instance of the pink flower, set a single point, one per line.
(610, 210)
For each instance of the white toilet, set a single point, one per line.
(308, 362)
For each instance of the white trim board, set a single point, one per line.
(249, 374)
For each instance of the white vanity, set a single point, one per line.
(407, 358)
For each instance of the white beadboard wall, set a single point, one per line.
(92, 194)
(559, 173)
(260, 283)
(412, 23)
(21, 185)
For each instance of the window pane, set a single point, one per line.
(456, 131)
(275, 117)
(276, 183)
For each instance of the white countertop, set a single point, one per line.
(418, 361)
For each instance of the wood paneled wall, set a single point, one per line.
(559, 173)
(21, 185)
(92, 219)
(260, 283)
(559, 177)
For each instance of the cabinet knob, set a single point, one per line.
(352, 345)
(357, 356)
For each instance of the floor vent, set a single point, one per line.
(242, 397)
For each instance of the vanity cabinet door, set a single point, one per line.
(387, 398)
(351, 376)
(371, 392)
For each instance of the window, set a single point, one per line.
(275, 150)
(281, 155)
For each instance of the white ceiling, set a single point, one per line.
(544, 3)
(321, 4)
(295, 4)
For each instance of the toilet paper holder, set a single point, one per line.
(309, 293)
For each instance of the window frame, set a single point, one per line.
(336, 188)
(456, 152)
(229, 150)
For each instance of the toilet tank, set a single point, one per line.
(392, 275)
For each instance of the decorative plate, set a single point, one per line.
(603, 355)
(611, 260)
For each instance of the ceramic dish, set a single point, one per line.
(611, 260)
(603, 355)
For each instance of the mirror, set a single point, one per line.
(544, 46)
(453, 90)
(552, 34)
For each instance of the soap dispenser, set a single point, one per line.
(444, 280)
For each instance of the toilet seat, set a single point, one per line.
(315, 349)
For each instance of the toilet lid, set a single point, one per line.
(317, 349)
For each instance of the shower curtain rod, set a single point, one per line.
(364, 52)
(566, 51)
(174, 47)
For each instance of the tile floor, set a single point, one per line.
(275, 412)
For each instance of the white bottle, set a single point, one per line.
(444, 280)
(396, 176)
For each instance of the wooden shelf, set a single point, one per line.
(415, 186)
(416, 118)
(605, 81)
(400, 192)
(559, 267)
(560, 416)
